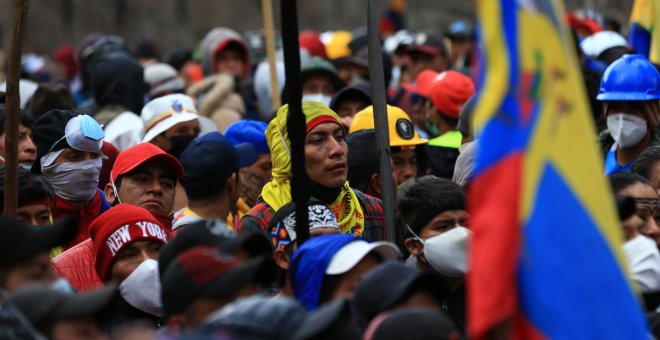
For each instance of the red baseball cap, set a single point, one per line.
(423, 83)
(311, 41)
(139, 154)
(449, 92)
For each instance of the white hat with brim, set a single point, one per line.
(351, 254)
(163, 113)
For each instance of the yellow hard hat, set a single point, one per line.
(337, 46)
(401, 130)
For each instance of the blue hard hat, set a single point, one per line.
(630, 78)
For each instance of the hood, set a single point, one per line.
(309, 263)
(118, 79)
(215, 41)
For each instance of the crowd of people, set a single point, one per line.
(154, 190)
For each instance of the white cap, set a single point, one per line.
(162, 113)
(598, 43)
(162, 77)
(26, 89)
(349, 255)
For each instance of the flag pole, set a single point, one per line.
(12, 108)
(380, 120)
(296, 119)
(269, 30)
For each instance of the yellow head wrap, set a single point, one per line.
(277, 192)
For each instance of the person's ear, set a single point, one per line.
(110, 194)
(281, 259)
(414, 246)
(232, 183)
(374, 184)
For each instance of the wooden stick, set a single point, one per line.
(13, 107)
(269, 29)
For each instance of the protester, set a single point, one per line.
(224, 60)
(404, 140)
(50, 97)
(434, 212)
(26, 148)
(349, 101)
(394, 285)
(61, 315)
(145, 176)
(251, 178)
(69, 156)
(127, 240)
(24, 259)
(414, 324)
(646, 199)
(647, 164)
(35, 198)
(333, 320)
(330, 267)
(255, 317)
(117, 83)
(204, 279)
(326, 164)
(364, 163)
(448, 93)
(319, 80)
(170, 123)
(283, 233)
(461, 40)
(629, 90)
(211, 179)
(162, 79)
(427, 52)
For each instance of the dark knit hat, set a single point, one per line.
(47, 130)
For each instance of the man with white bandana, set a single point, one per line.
(69, 156)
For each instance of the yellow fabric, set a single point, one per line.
(277, 192)
(241, 209)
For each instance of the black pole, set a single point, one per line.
(295, 119)
(380, 120)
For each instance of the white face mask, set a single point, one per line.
(447, 253)
(644, 260)
(626, 130)
(75, 182)
(319, 97)
(141, 289)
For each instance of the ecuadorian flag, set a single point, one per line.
(546, 252)
(644, 25)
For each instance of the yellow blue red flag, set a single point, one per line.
(644, 25)
(546, 252)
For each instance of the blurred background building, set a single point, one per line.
(184, 22)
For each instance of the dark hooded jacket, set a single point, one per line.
(117, 83)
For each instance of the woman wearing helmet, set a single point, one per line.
(629, 90)
(326, 163)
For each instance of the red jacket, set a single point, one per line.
(84, 215)
(77, 266)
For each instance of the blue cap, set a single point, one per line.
(249, 131)
(630, 78)
(212, 158)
